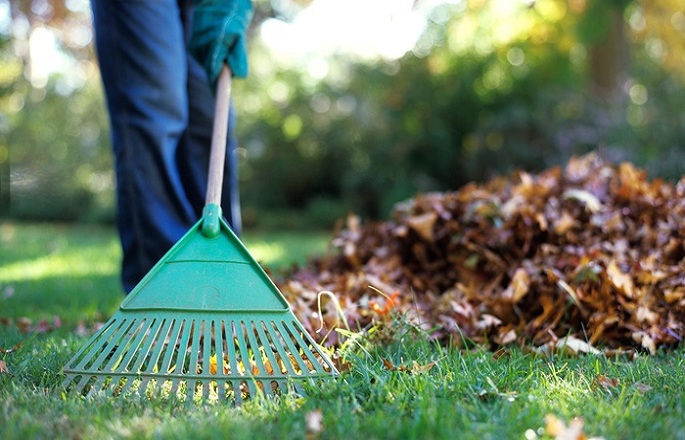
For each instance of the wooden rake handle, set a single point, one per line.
(211, 225)
(217, 156)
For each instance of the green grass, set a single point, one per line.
(433, 391)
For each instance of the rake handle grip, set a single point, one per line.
(217, 156)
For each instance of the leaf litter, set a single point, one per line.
(585, 257)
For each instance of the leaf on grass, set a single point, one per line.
(416, 368)
(571, 345)
(641, 387)
(645, 341)
(14, 348)
(24, 324)
(392, 367)
(606, 382)
(3, 368)
(557, 428)
(314, 421)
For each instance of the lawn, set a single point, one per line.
(58, 281)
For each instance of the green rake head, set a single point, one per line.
(206, 323)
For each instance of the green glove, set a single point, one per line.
(218, 36)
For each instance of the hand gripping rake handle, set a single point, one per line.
(217, 158)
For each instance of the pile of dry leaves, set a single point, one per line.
(595, 251)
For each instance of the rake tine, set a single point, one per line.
(157, 344)
(116, 357)
(102, 340)
(298, 388)
(251, 340)
(111, 336)
(284, 356)
(87, 355)
(81, 385)
(237, 393)
(219, 353)
(183, 350)
(132, 345)
(191, 390)
(149, 336)
(142, 344)
(197, 332)
(304, 368)
(129, 385)
(267, 348)
(98, 385)
(318, 364)
(180, 356)
(157, 351)
(244, 354)
(230, 347)
(112, 388)
(170, 346)
(206, 351)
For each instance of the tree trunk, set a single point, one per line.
(608, 58)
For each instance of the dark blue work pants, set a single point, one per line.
(161, 113)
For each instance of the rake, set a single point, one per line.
(206, 323)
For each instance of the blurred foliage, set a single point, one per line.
(490, 86)
(487, 90)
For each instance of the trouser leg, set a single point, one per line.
(160, 150)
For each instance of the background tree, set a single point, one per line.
(488, 87)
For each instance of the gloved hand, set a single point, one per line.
(218, 36)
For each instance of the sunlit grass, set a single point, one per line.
(280, 250)
(100, 259)
(406, 387)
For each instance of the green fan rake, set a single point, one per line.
(206, 323)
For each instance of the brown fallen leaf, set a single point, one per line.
(3, 368)
(423, 225)
(641, 387)
(14, 348)
(571, 345)
(590, 250)
(606, 382)
(416, 368)
(24, 324)
(519, 286)
(622, 281)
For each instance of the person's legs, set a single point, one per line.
(142, 58)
